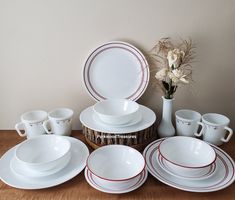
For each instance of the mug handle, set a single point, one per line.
(201, 132)
(229, 136)
(17, 127)
(45, 125)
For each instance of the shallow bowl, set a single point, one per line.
(44, 152)
(187, 156)
(116, 111)
(115, 163)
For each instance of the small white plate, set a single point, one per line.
(220, 179)
(148, 118)
(134, 121)
(206, 173)
(79, 154)
(90, 178)
(20, 169)
(116, 70)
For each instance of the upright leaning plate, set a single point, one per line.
(79, 154)
(116, 70)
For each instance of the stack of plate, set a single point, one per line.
(42, 162)
(115, 169)
(117, 71)
(189, 164)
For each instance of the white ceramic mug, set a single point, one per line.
(187, 122)
(32, 124)
(59, 122)
(216, 127)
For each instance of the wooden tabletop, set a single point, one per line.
(78, 188)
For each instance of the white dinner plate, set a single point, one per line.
(206, 173)
(135, 120)
(148, 118)
(116, 70)
(220, 179)
(90, 178)
(79, 154)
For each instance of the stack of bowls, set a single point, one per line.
(187, 157)
(116, 112)
(42, 156)
(115, 166)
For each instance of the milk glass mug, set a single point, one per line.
(187, 122)
(32, 124)
(216, 128)
(59, 122)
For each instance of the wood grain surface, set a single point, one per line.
(77, 188)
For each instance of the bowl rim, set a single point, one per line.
(184, 166)
(45, 162)
(118, 115)
(117, 180)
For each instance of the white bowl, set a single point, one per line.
(116, 111)
(115, 164)
(187, 156)
(44, 152)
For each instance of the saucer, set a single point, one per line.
(222, 177)
(207, 172)
(148, 118)
(134, 121)
(79, 154)
(21, 170)
(138, 181)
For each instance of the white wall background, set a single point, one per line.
(43, 45)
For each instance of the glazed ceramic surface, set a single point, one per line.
(116, 70)
(187, 156)
(222, 177)
(116, 111)
(31, 123)
(124, 188)
(216, 126)
(79, 154)
(43, 153)
(89, 120)
(187, 122)
(60, 122)
(115, 163)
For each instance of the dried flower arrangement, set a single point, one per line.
(171, 65)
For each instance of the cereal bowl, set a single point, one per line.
(187, 156)
(116, 111)
(43, 153)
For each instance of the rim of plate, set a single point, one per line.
(93, 183)
(136, 52)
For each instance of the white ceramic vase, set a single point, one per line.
(166, 128)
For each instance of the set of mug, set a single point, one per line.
(38, 122)
(214, 127)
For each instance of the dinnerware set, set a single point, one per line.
(116, 74)
(214, 127)
(36, 123)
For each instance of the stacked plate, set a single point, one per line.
(42, 162)
(189, 164)
(115, 169)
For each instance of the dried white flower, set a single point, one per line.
(161, 75)
(174, 58)
(177, 76)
